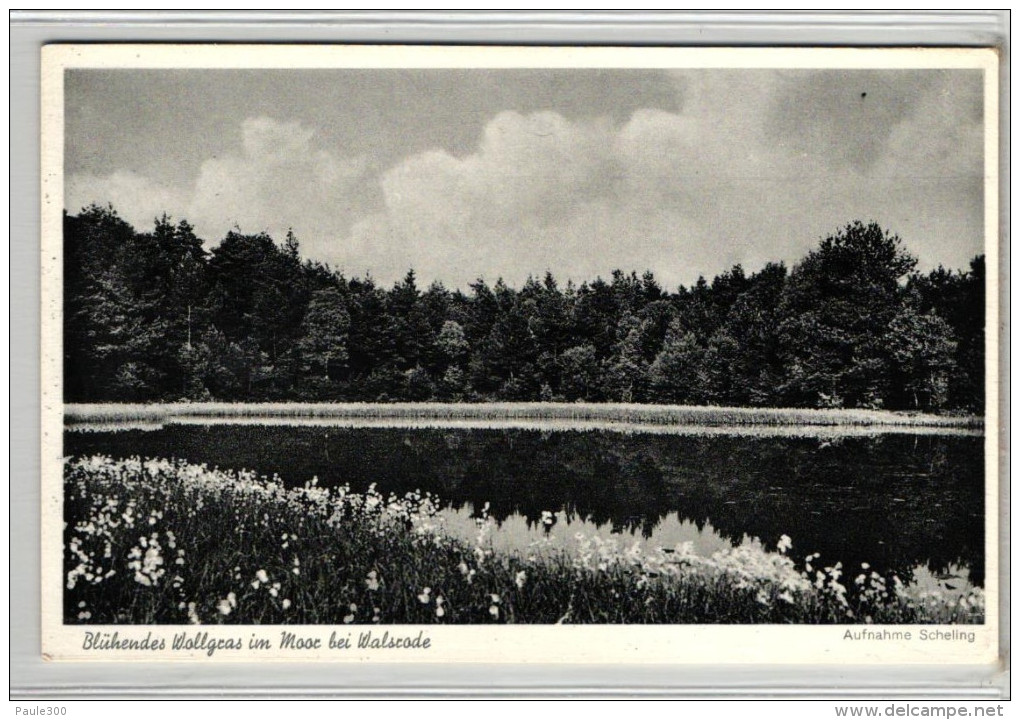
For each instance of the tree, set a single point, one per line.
(451, 385)
(239, 286)
(503, 363)
(212, 365)
(579, 373)
(596, 316)
(153, 316)
(922, 351)
(419, 384)
(624, 373)
(122, 349)
(482, 311)
(742, 358)
(959, 299)
(678, 375)
(372, 347)
(412, 334)
(291, 246)
(166, 272)
(435, 308)
(451, 343)
(323, 343)
(96, 294)
(833, 314)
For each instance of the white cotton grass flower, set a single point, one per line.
(193, 616)
(756, 569)
(468, 573)
(349, 617)
(147, 564)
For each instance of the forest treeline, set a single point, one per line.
(151, 316)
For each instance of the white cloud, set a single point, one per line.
(280, 179)
(542, 192)
(753, 167)
(277, 178)
(136, 198)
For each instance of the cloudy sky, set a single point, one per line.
(505, 173)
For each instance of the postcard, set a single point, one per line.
(520, 354)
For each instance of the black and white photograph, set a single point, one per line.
(345, 348)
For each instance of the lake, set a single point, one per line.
(907, 503)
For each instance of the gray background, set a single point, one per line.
(31, 677)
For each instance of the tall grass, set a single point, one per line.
(157, 541)
(819, 432)
(607, 413)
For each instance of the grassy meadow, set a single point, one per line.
(159, 541)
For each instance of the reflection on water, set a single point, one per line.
(565, 533)
(954, 580)
(894, 501)
(517, 532)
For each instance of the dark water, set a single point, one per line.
(897, 502)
